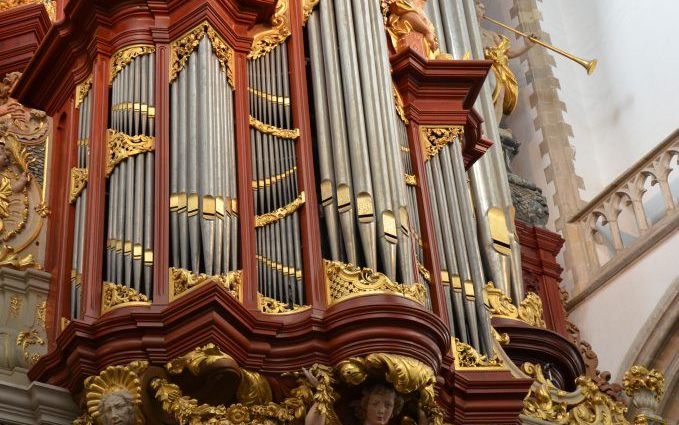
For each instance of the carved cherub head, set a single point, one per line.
(480, 9)
(378, 405)
(117, 408)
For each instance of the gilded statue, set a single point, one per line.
(497, 48)
(405, 17)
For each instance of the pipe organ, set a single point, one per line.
(78, 192)
(129, 170)
(203, 199)
(276, 195)
(362, 180)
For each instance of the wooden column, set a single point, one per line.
(96, 193)
(161, 202)
(246, 206)
(314, 277)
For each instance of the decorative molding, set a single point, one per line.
(122, 146)
(181, 49)
(114, 296)
(78, 183)
(345, 281)
(433, 139)
(268, 37)
(280, 213)
(466, 357)
(283, 133)
(124, 57)
(182, 281)
(82, 89)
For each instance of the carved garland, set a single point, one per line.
(433, 139)
(280, 213)
(269, 36)
(122, 146)
(346, 281)
(181, 49)
(114, 296)
(529, 311)
(182, 281)
(82, 89)
(283, 133)
(78, 183)
(124, 57)
(639, 377)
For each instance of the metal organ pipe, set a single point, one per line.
(202, 155)
(129, 258)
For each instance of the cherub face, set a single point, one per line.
(480, 10)
(117, 409)
(379, 408)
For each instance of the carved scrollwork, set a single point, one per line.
(124, 57)
(27, 339)
(114, 296)
(274, 131)
(282, 212)
(181, 49)
(467, 357)
(587, 405)
(8, 258)
(308, 8)
(529, 311)
(268, 36)
(433, 139)
(78, 183)
(122, 146)
(346, 281)
(82, 89)
(272, 306)
(182, 280)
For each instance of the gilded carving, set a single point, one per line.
(40, 314)
(181, 281)
(639, 377)
(398, 103)
(433, 139)
(529, 311)
(181, 49)
(587, 405)
(283, 133)
(280, 213)
(82, 89)
(410, 179)
(124, 57)
(50, 6)
(268, 36)
(122, 146)
(467, 357)
(27, 339)
(405, 374)
(308, 7)
(272, 306)
(346, 281)
(406, 18)
(114, 396)
(78, 183)
(114, 296)
(14, 306)
(8, 258)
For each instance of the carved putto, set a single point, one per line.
(408, 26)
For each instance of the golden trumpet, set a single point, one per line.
(588, 65)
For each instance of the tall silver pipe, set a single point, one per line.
(193, 72)
(358, 149)
(174, 171)
(182, 156)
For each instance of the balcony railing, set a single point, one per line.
(630, 216)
